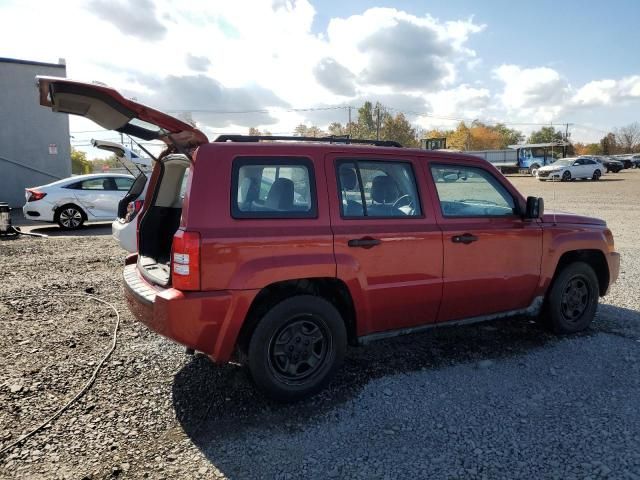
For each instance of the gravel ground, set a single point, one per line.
(499, 400)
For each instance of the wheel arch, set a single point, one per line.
(331, 289)
(592, 257)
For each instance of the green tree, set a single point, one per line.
(399, 129)
(546, 135)
(609, 145)
(79, 163)
(508, 136)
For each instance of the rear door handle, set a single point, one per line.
(465, 238)
(366, 242)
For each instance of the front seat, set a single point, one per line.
(384, 193)
(280, 196)
(349, 183)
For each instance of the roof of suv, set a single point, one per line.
(307, 147)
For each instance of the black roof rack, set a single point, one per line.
(330, 139)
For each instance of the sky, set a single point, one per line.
(231, 65)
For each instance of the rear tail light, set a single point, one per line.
(185, 260)
(33, 194)
(132, 210)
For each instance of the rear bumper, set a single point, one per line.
(38, 211)
(613, 261)
(205, 321)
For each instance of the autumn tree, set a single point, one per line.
(628, 138)
(254, 132)
(303, 131)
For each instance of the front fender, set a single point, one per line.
(561, 239)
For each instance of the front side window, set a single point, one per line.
(377, 189)
(471, 192)
(273, 187)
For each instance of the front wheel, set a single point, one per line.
(533, 169)
(69, 217)
(297, 347)
(573, 298)
(596, 175)
(566, 176)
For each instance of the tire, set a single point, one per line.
(285, 341)
(69, 217)
(566, 176)
(533, 169)
(572, 299)
(596, 175)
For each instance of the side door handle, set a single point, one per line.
(366, 242)
(465, 238)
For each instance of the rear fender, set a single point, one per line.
(257, 273)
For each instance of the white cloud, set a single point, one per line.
(263, 55)
(607, 92)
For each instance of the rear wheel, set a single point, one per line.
(573, 298)
(69, 217)
(596, 175)
(566, 176)
(297, 347)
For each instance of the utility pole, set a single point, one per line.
(349, 122)
(378, 123)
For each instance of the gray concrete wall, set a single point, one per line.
(27, 130)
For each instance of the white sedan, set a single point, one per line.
(72, 201)
(567, 169)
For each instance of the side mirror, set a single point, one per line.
(535, 207)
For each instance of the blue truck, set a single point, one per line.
(525, 158)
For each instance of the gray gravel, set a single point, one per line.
(501, 400)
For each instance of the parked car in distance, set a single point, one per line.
(567, 169)
(610, 164)
(282, 253)
(636, 161)
(75, 200)
(626, 160)
(123, 228)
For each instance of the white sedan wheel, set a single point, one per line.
(70, 218)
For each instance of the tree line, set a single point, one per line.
(375, 122)
(620, 140)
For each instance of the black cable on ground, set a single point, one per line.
(89, 382)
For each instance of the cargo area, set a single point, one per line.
(162, 219)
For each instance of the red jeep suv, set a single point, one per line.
(286, 250)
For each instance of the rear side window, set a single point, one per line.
(123, 184)
(471, 192)
(273, 187)
(95, 184)
(377, 189)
